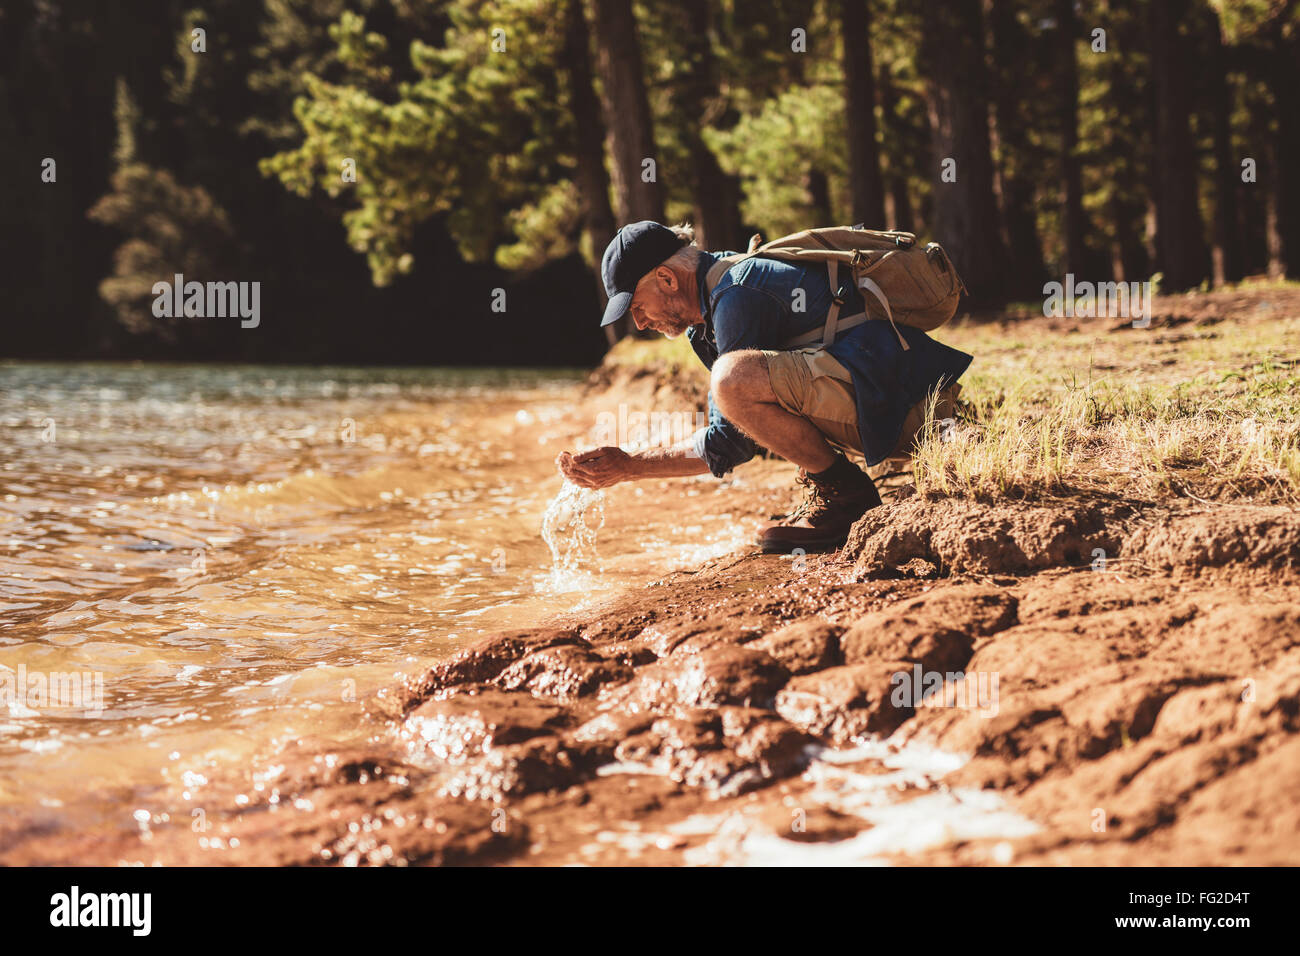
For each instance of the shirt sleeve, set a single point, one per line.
(722, 445)
(743, 318)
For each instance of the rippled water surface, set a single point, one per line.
(223, 559)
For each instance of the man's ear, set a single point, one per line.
(667, 278)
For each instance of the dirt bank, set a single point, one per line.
(1083, 680)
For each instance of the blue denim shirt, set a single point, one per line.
(752, 307)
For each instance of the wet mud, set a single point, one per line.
(1144, 711)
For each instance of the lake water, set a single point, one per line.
(198, 564)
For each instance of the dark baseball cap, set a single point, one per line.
(636, 250)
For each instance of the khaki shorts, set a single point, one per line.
(811, 383)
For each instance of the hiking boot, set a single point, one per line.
(824, 517)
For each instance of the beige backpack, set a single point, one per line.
(916, 286)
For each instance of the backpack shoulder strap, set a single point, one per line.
(776, 249)
(720, 269)
(785, 247)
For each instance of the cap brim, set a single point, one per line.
(617, 308)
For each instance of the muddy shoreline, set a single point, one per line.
(1077, 681)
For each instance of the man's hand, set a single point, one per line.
(598, 468)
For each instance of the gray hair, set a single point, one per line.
(684, 230)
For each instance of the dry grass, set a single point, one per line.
(1206, 409)
(672, 356)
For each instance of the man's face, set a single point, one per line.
(659, 304)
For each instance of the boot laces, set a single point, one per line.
(814, 501)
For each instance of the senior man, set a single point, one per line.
(862, 393)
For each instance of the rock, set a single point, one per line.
(958, 535)
(519, 769)
(841, 703)
(671, 746)
(936, 629)
(1246, 535)
(693, 637)
(919, 568)
(804, 646)
(458, 727)
(1047, 650)
(483, 661)
(632, 653)
(564, 671)
(422, 832)
(445, 834)
(1081, 594)
(904, 637)
(613, 726)
(774, 745)
(722, 754)
(1236, 638)
(720, 675)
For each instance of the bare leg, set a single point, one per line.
(743, 393)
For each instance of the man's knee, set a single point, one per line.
(737, 378)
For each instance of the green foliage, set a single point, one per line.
(471, 135)
(543, 230)
(169, 228)
(294, 40)
(126, 115)
(1243, 19)
(774, 150)
(451, 137)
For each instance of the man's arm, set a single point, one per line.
(607, 466)
(743, 318)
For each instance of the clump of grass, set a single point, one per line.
(1206, 414)
(658, 352)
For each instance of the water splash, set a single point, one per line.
(569, 528)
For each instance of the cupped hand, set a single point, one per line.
(598, 468)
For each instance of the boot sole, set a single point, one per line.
(808, 547)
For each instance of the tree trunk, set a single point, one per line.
(898, 204)
(1286, 78)
(590, 176)
(1013, 179)
(627, 113)
(1227, 253)
(1128, 195)
(965, 211)
(865, 184)
(716, 195)
(1251, 196)
(1180, 243)
(1270, 174)
(1067, 29)
(819, 196)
